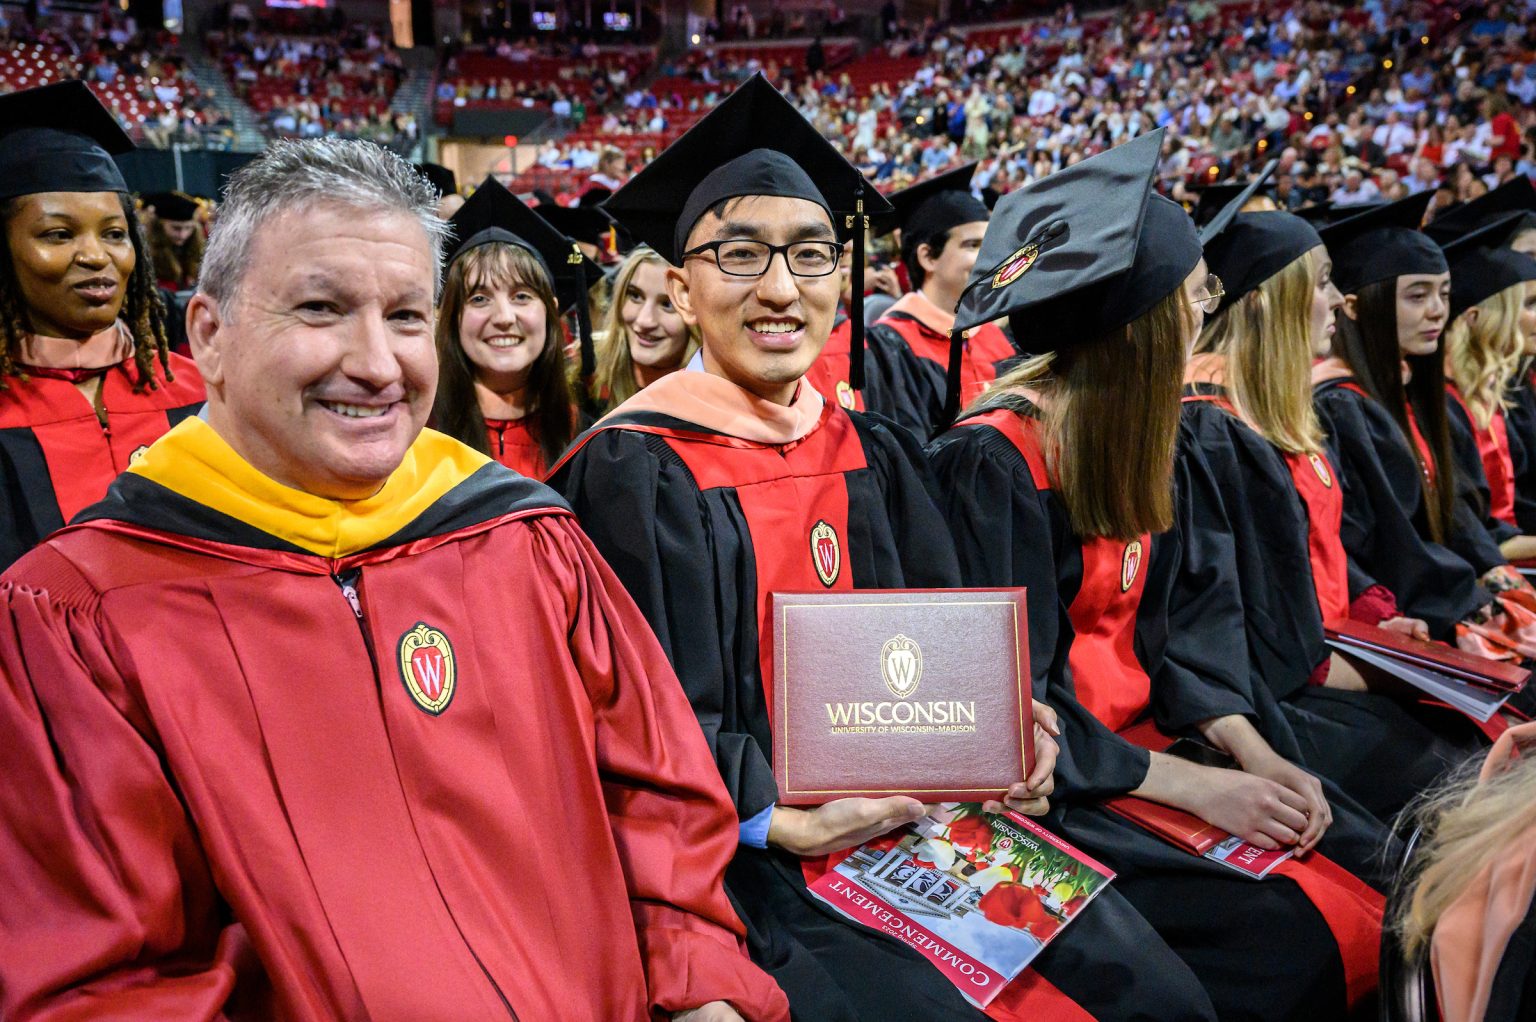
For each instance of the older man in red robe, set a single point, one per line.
(321, 715)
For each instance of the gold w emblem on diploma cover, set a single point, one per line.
(826, 555)
(427, 668)
(901, 665)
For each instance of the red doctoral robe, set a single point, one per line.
(416, 757)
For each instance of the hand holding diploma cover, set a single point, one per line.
(879, 693)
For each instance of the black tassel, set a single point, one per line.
(952, 387)
(856, 301)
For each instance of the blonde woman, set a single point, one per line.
(1263, 508)
(1469, 902)
(1484, 346)
(643, 338)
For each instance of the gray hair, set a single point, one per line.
(294, 176)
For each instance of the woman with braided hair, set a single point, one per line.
(87, 379)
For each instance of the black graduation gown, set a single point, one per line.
(907, 366)
(1520, 417)
(701, 527)
(58, 455)
(1384, 525)
(1473, 496)
(1012, 530)
(1247, 560)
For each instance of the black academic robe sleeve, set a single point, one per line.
(910, 390)
(1008, 533)
(1381, 507)
(1473, 498)
(910, 495)
(684, 560)
(1223, 654)
(1520, 417)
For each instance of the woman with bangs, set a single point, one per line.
(1262, 514)
(643, 337)
(1381, 396)
(1061, 479)
(1483, 350)
(504, 385)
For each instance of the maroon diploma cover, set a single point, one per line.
(920, 692)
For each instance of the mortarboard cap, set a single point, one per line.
(494, 215)
(753, 143)
(1516, 196)
(593, 196)
(1246, 249)
(933, 206)
(59, 138)
(1382, 243)
(172, 206)
(589, 224)
(1480, 269)
(439, 177)
(1213, 199)
(1321, 214)
(1084, 251)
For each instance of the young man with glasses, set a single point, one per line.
(711, 489)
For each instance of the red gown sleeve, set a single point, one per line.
(673, 823)
(109, 910)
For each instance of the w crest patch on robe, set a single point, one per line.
(1130, 565)
(1321, 468)
(826, 554)
(427, 668)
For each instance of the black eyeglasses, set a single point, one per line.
(742, 257)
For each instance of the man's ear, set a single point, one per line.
(1351, 306)
(205, 336)
(926, 259)
(681, 295)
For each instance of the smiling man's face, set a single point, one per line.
(322, 370)
(761, 333)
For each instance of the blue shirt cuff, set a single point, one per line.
(754, 832)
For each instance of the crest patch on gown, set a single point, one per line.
(1130, 565)
(427, 668)
(826, 553)
(1321, 469)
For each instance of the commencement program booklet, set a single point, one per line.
(920, 692)
(978, 895)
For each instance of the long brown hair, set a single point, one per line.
(613, 377)
(1110, 412)
(1368, 344)
(142, 309)
(456, 411)
(1265, 336)
(176, 263)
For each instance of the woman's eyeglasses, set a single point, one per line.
(1209, 297)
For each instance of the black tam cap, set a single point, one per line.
(173, 206)
(1382, 243)
(1084, 251)
(933, 206)
(1516, 196)
(59, 138)
(753, 143)
(1213, 199)
(594, 196)
(1480, 270)
(439, 177)
(494, 215)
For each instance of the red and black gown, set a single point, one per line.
(1485, 467)
(1521, 420)
(514, 446)
(907, 359)
(1099, 631)
(1250, 561)
(1385, 529)
(702, 525)
(413, 757)
(58, 453)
